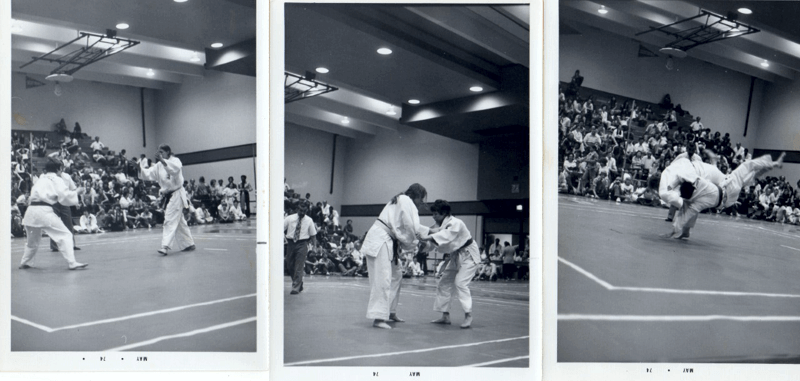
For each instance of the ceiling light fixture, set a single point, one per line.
(745, 11)
(765, 63)
(602, 10)
(150, 72)
(195, 57)
(15, 27)
(181, 1)
(123, 25)
(322, 70)
(385, 51)
(413, 101)
(345, 121)
(476, 89)
(216, 45)
(391, 111)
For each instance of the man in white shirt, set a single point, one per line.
(298, 229)
(97, 146)
(696, 125)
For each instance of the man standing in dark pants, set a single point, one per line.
(63, 212)
(298, 230)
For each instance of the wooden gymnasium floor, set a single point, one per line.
(325, 325)
(132, 298)
(730, 293)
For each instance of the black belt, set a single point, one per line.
(719, 190)
(166, 198)
(40, 203)
(395, 244)
(464, 246)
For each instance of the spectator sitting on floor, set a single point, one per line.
(88, 224)
(202, 216)
(237, 212)
(224, 212)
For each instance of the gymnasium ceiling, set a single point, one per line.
(778, 42)
(170, 34)
(438, 53)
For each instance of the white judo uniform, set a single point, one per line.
(176, 234)
(50, 189)
(397, 222)
(680, 170)
(708, 194)
(454, 238)
(88, 225)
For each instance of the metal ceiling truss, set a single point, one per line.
(298, 87)
(96, 47)
(713, 27)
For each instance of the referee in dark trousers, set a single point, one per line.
(298, 230)
(63, 212)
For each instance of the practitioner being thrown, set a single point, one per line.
(167, 172)
(395, 231)
(450, 235)
(700, 193)
(40, 216)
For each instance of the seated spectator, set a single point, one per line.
(621, 190)
(88, 224)
(237, 212)
(115, 221)
(202, 216)
(224, 212)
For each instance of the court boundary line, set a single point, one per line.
(611, 287)
(337, 359)
(674, 318)
(496, 361)
(184, 334)
(129, 317)
(475, 299)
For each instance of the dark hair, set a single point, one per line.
(53, 165)
(414, 191)
(441, 206)
(166, 148)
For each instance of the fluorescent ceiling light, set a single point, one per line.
(216, 45)
(602, 10)
(745, 11)
(413, 101)
(322, 70)
(385, 51)
(476, 89)
(123, 25)
(181, 1)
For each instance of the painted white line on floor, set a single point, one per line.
(587, 274)
(185, 334)
(144, 314)
(676, 318)
(789, 247)
(208, 248)
(475, 299)
(404, 352)
(32, 324)
(672, 290)
(497, 361)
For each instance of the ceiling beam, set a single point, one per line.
(311, 112)
(89, 75)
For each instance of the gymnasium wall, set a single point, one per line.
(780, 124)
(504, 167)
(112, 112)
(379, 167)
(307, 163)
(215, 111)
(609, 63)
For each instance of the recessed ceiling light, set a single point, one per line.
(123, 25)
(345, 121)
(745, 11)
(194, 57)
(413, 101)
(602, 10)
(765, 63)
(385, 51)
(322, 70)
(476, 89)
(150, 72)
(391, 111)
(181, 1)
(216, 45)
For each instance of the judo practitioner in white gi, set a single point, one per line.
(167, 172)
(450, 235)
(678, 170)
(705, 193)
(397, 229)
(48, 190)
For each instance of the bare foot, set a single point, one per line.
(779, 162)
(381, 324)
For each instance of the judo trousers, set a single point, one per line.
(459, 277)
(384, 281)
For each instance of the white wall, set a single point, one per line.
(218, 110)
(307, 163)
(379, 167)
(609, 63)
(112, 112)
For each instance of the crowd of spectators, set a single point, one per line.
(614, 151)
(116, 199)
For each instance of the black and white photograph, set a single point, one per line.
(676, 201)
(406, 189)
(133, 186)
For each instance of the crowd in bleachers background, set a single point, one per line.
(115, 196)
(616, 149)
(338, 248)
